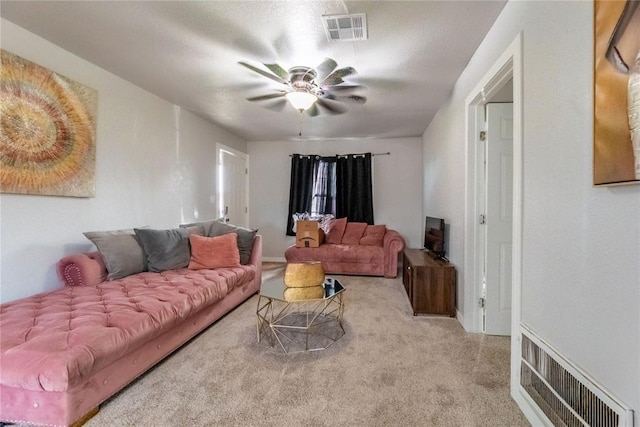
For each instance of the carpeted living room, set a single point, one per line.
(455, 184)
(390, 368)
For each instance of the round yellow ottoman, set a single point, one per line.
(304, 274)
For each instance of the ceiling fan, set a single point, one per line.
(311, 89)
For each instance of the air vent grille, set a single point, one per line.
(345, 27)
(565, 395)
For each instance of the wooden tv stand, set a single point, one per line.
(430, 283)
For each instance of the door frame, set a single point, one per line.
(219, 191)
(508, 66)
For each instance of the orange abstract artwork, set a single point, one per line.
(47, 131)
(616, 149)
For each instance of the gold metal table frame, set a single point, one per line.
(302, 324)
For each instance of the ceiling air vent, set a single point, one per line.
(345, 27)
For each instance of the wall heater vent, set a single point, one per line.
(565, 394)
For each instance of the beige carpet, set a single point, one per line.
(389, 369)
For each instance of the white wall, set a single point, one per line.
(155, 166)
(581, 245)
(397, 198)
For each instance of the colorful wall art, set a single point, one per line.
(47, 131)
(616, 149)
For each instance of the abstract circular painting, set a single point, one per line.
(47, 131)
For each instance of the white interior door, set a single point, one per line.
(499, 218)
(233, 180)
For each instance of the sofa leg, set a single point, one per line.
(86, 417)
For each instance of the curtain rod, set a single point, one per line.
(358, 154)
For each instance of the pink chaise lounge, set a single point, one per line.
(354, 248)
(63, 353)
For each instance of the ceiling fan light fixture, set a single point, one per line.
(301, 100)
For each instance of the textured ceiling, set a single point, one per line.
(187, 52)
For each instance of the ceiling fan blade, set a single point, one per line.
(325, 68)
(277, 105)
(263, 73)
(331, 107)
(341, 88)
(313, 110)
(354, 99)
(268, 96)
(278, 71)
(335, 78)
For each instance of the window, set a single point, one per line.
(339, 185)
(323, 199)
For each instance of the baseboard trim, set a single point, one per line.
(529, 408)
(273, 259)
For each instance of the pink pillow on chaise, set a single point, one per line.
(214, 252)
(336, 230)
(374, 235)
(353, 233)
(80, 269)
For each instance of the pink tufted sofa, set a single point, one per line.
(64, 352)
(354, 248)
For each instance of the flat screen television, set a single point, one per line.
(434, 237)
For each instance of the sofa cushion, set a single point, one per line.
(374, 235)
(367, 256)
(206, 225)
(335, 231)
(165, 249)
(214, 252)
(245, 238)
(121, 252)
(55, 340)
(353, 233)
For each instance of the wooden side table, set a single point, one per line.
(430, 283)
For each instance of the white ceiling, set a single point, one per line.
(187, 52)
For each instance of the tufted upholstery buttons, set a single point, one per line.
(98, 324)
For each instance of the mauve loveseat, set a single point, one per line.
(354, 248)
(64, 352)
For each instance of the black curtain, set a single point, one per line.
(301, 188)
(354, 198)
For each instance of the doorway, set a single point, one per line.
(233, 183)
(506, 70)
(497, 224)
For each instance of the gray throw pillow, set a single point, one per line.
(218, 228)
(245, 243)
(245, 238)
(121, 251)
(195, 229)
(206, 225)
(165, 249)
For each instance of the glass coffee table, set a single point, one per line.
(300, 321)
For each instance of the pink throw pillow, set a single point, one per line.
(214, 252)
(80, 269)
(374, 235)
(336, 230)
(353, 233)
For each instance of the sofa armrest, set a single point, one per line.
(82, 269)
(393, 244)
(256, 258)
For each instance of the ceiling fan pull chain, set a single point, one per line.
(301, 118)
